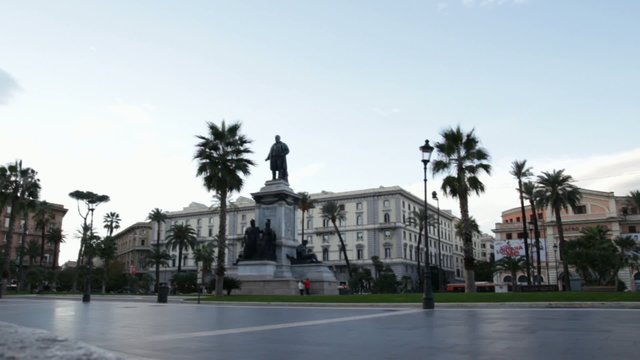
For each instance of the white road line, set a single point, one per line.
(275, 326)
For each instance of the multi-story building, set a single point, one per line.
(376, 224)
(596, 208)
(133, 244)
(486, 248)
(33, 232)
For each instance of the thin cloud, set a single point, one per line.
(491, 3)
(8, 86)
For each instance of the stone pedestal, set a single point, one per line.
(277, 202)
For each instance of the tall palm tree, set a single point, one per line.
(55, 237)
(205, 254)
(181, 236)
(558, 192)
(461, 157)
(159, 217)
(24, 208)
(43, 216)
(222, 162)
(333, 212)
(18, 185)
(520, 171)
(111, 222)
(107, 250)
(531, 193)
(513, 265)
(305, 204)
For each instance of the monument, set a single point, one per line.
(272, 260)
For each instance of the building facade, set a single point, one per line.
(377, 224)
(133, 244)
(33, 232)
(596, 208)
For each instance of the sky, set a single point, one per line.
(108, 96)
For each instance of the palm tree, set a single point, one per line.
(33, 251)
(417, 218)
(205, 254)
(557, 192)
(24, 208)
(107, 250)
(513, 265)
(18, 185)
(181, 236)
(111, 222)
(157, 257)
(159, 217)
(221, 157)
(520, 171)
(531, 193)
(463, 159)
(333, 212)
(305, 204)
(43, 216)
(629, 255)
(55, 237)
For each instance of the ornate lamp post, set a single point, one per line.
(434, 196)
(427, 296)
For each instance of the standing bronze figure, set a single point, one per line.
(278, 157)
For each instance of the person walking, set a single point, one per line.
(307, 286)
(301, 287)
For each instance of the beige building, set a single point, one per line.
(133, 244)
(596, 208)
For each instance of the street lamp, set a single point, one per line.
(434, 196)
(427, 296)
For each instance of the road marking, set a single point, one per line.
(276, 326)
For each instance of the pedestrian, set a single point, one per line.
(307, 286)
(301, 287)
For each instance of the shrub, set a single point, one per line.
(228, 284)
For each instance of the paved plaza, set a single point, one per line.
(145, 330)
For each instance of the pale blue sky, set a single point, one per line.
(108, 95)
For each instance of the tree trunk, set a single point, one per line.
(220, 266)
(179, 257)
(344, 249)
(42, 245)
(302, 221)
(536, 235)
(157, 288)
(563, 251)
(467, 239)
(525, 233)
(420, 277)
(23, 238)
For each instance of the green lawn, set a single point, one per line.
(439, 298)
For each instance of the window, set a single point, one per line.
(359, 220)
(632, 228)
(325, 238)
(359, 206)
(581, 209)
(325, 222)
(387, 218)
(359, 253)
(509, 236)
(211, 220)
(520, 235)
(198, 231)
(385, 203)
(310, 239)
(540, 216)
(404, 235)
(210, 232)
(244, 217)
(359, 236)
(308, 223)
(199, 221)
(325, 254)
(404, 251)
(387, 253)
(387, 234)
(517, 218)
(141, 242)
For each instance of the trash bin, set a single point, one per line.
(576, 284)
(163, 293)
